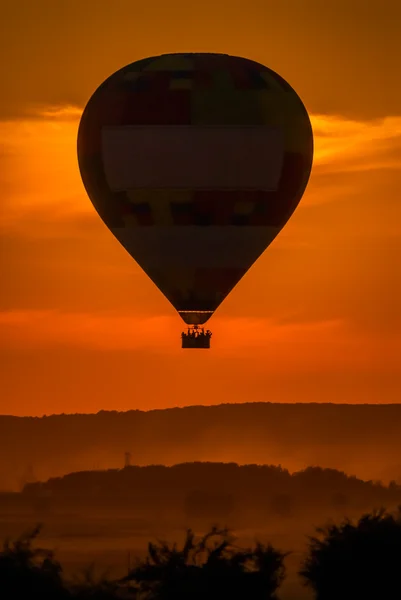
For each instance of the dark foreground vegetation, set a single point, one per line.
(347, 561)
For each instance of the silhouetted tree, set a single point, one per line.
(355, 561)
(99, 588)
(210, 567)
(27, 572)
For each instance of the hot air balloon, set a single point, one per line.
(195, 162)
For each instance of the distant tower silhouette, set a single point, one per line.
(127, 462)
(28, 476)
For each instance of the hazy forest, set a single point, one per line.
(361, 440)
(109, 489)
(109, 529)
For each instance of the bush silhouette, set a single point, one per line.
(26, 572)
(210, 567)
(350, 561)
(88, 587)
(355, 561)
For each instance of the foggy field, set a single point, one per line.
(107, 518)
(109, 542)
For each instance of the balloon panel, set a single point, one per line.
(151, 158)
(195, 162)
(199, 278)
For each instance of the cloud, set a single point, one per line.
(39, 175)
(61, 113)
(306, 345)
(349, 59)
(343, 145)
(99, 331)
(40, 181)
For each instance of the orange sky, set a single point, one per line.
(317, 318)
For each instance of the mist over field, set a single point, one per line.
(108, 517)
(105, 485)
(361, 440)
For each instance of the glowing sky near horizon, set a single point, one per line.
(317, 318)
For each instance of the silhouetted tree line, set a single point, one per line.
(350, 560)
(262, 487)
(58, 444)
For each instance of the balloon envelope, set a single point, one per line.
(195, 162)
